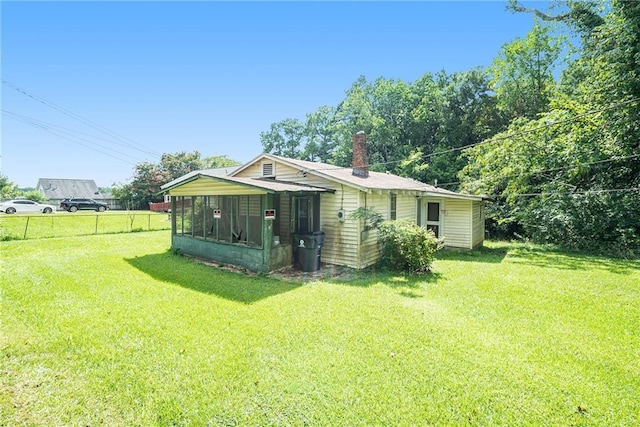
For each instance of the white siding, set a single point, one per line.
(407, 207)
(457, 223)
(341, 238)
(477, 226)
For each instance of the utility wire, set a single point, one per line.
(120, 140)
(613, 159)
(58, 130)
(500, 138)
(60, 135)
(580, 192)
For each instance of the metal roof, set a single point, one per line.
(269, 185)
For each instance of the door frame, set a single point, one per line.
(425, 212)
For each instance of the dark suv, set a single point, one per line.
(74, 204)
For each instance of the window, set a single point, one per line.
(393, 210)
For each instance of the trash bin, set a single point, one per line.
(307, 251)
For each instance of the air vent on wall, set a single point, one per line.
(268, 170)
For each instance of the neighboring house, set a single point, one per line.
(255, 216)
(56, 189)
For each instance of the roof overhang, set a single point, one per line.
(199, 183)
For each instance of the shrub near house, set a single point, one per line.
(407, 247)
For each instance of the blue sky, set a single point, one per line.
(164, 77)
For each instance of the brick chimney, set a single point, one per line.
(360, 156)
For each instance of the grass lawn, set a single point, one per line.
(116, 330)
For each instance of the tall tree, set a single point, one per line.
(570, 176)
(284, 138)
(522, 74)
(149, 177)
(320, 132)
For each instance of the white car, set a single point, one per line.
(25, 206)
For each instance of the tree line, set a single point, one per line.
(550, 131)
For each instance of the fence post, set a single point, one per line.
(26, 227)
(149, 222)
(96, 224)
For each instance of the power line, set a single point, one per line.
(58, 134)
(58, 130)
(120, 140)
(501, 138)
(580, 192)
(613, 159)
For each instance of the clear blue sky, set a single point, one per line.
(207, 76)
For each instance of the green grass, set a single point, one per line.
(63, 224)
(116, 330)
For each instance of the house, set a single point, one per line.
(256, 216)
(57, 189)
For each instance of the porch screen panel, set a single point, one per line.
(226, 221)
(211, 224)
(187, 216)
(179, 215)
(199, 213)
(240, 218)
(283, 215)
(254, 228)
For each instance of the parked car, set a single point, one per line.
(75, 204)
(25, 206)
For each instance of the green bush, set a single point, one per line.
(407, 247)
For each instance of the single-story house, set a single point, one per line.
(58, 189)
(255, 216)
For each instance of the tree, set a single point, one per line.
(149, 177)
(8, 190)
(284, 138)
(522, 74)
(570, 177)
(214, 162)
(320, 134)
(34, 195)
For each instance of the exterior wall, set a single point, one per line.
(341, 245)
(457, 223)
(406, 209)
(342, 241)
(477, 226)
(240, 255)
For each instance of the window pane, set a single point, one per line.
(394, 204)
(433, 211)
(434, 228)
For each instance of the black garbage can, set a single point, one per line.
(308, 252)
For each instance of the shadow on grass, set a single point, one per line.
(550, 257)
(494, 254)
(229, 285)
(404, 282)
